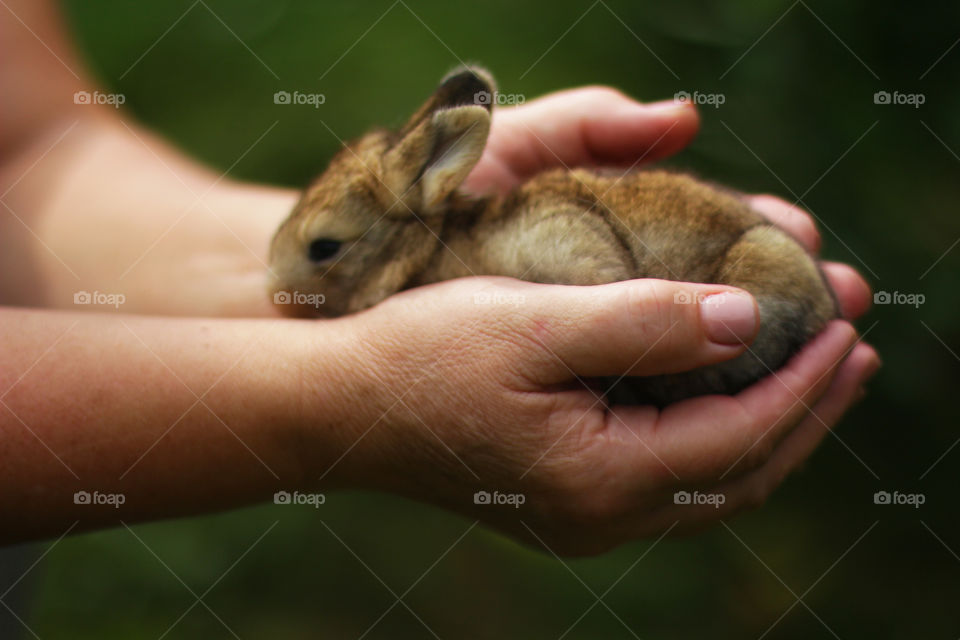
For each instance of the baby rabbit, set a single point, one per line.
(386, 216)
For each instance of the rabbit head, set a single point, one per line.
(371, 222)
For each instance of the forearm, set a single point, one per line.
(111, 208)
(179, 416)
(91, 202)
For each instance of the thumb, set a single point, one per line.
(638, 327)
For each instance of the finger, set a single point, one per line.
(791, 219)
(805, 378)
(751, 490)
(635, 327)
(755, 487)
(705, 439)
(588, 126)
(853, 292)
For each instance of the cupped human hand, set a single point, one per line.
(478, 388)
(479, 385)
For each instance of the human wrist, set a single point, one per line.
(337, 403)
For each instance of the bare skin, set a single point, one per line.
(427, 394)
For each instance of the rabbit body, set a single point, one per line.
(387, 212)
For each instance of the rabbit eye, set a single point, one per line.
(323, 249)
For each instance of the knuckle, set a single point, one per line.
(639, 299)
(650, 308)
(601, 93)
(810, 230)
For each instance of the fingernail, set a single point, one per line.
(729, 318)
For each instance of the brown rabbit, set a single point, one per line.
(386, 216)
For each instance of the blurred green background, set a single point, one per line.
(799, 120)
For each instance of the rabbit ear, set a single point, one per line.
(433, 159)
(461, 87)
(441, 143)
